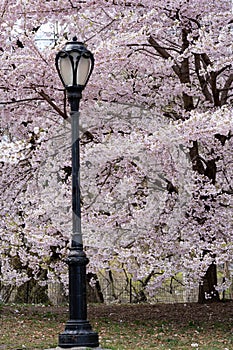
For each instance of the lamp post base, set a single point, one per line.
(78, 334)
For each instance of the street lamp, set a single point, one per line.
(74, 64)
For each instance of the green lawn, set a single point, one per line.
(124, 327)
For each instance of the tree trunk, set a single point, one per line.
(207, 291)
(94, 293)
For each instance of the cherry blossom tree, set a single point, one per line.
(156, 140)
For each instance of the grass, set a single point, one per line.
(135, 327)
(152, 336)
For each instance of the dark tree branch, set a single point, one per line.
(51, 103)
(185, 72)
(202, 80)
(215, 91)
(197, 164)
(164, 54)
(226, 89)
(20, 101)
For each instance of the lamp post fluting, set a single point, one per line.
(74, 64)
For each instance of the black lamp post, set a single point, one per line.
(74, 64)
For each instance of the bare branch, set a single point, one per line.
(163, 53)
(227, 87)
(20, 101)
(202, 80)
(48, 99)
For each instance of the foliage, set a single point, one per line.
(156, 139)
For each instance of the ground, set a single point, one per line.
(124, 327)
(174, 313)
